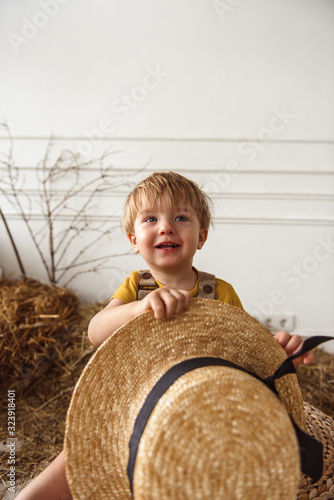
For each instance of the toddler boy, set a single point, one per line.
(166, 218)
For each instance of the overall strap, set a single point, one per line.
(206, 286)
(146, 283)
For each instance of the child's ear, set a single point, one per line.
(203, 234)
(133, 241)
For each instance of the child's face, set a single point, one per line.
(167, 237)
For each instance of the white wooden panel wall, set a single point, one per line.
(237, 95)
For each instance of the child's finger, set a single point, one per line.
(158, 308)
(282, 338)
(308, 358)
(166, 302)
(290, 343)
(294, 344)
(181, 301)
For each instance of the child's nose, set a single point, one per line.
(166, 227)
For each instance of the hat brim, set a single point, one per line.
(217, 433)
(120, 375)
(321, 427)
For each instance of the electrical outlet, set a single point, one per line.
(279, 321)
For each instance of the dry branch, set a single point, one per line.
(74, 202)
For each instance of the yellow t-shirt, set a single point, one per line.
(127, 291)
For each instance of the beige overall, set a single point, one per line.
(206, 286)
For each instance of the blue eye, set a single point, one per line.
(181, 218)
(151, 219)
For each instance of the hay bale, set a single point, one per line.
(42, 404)
(34, 319)
(317, 381)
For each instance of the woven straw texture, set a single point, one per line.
(321, 427)
(217, 433)
(118, 378)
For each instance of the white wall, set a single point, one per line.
(237, 95)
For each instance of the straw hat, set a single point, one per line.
(321, 427)
(216, 432)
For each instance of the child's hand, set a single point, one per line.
(292, 344)
(166, 302)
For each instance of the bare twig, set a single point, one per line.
(13, 244)
(80, 187)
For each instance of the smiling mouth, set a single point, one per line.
(167, 246)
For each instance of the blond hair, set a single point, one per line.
(179, 189)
